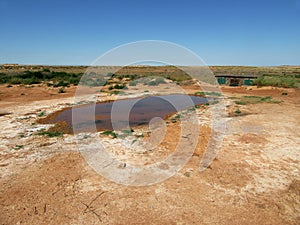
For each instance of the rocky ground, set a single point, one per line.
(253, 180)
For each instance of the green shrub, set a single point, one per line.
(254, 100)
(238, 111)
(50, 133)
(37, 77)
(240, 103)
(117, 92)
(177, 116)
(32, 80)
(46, 70)
(266, 99)
(276, 81)
(214, 102)
(15, 80)
(74, 80)
(252, 96)
(61, 90)
(126, 133)
(109, 133)
(201, 93)
(18, 147)
(119, 86)
(33, 74)
(61, 84)
(41, 114)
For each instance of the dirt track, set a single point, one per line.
(254, 179)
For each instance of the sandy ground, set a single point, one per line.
(255, 178)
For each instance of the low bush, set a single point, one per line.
(277, 81)
(15, 80)
(37, 77)
(254, 100)
(50, 133)
(61, 90)
(74, 80)
(41, 114)
(32, 80)
(109, 133)
(120, 86)
(117, 92)
(61, 84)
(238, 111)
(240, 103)
(201, 93)
(46, 70)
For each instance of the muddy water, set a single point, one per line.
(122, 114)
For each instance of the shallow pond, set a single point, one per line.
(125, 113)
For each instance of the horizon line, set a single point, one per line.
(143, 65)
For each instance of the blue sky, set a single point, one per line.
(234, 32)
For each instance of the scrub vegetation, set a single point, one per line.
(245, 100)
(64, 76)
(278, 81)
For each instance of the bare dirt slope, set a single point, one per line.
(254, 179)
